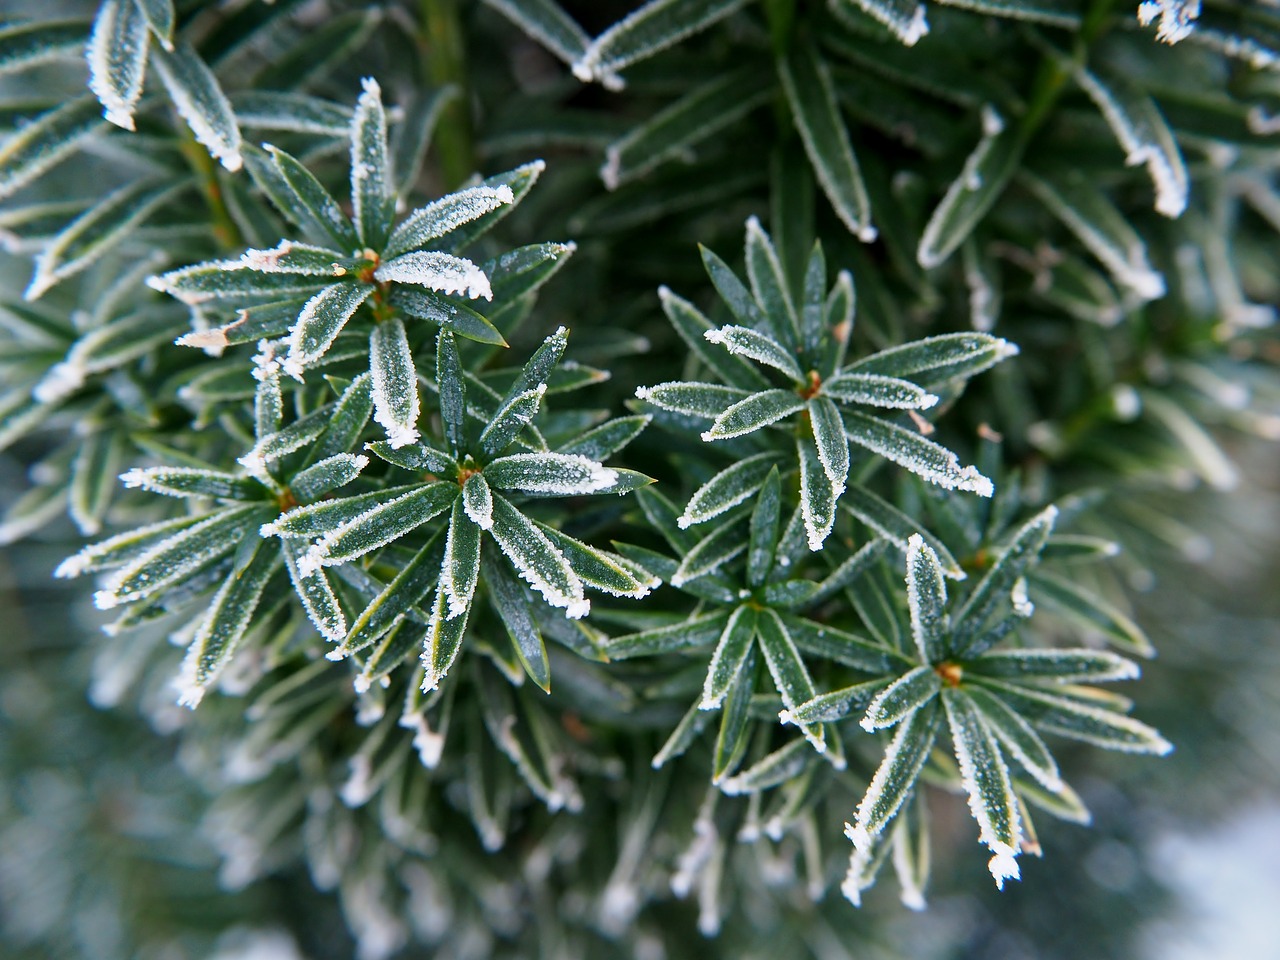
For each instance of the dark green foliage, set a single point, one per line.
(364, 463)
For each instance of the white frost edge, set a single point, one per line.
(437, 271)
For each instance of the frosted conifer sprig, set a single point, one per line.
(477, 486)
(755, 596)
(995, 704)
(364, 269)
(292, 470)
(787, 370)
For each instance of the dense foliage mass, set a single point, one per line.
(518, 600)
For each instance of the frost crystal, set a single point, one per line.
(437, 271)
(1177, 18)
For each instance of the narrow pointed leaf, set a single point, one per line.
(727, 489)
(849, 570)
(1143, 134)
(927, 600)
(602, 442)
(197, 96)
(769, 286)
(922, 457)
(348, 419)
(894, 525)
(453, 392)
(512, 604)
(231, 279)
(731, 739)
(876, 390)
(436, 271)
(682, 737)
(511, 418)
(1079, 721)
(994, 589)
(690, 634)
(317, 519)
(830, 441)
(91, 489)
(307, 203)
(396, 601)
(790, 676)
(986, 779)
(904, 696)
(443, 641)
(320, 322)
(445, 215)
(911, 852)
(755, 412)
(642, 33)
(710, 553)
(371, 183)
(290, 112)
(520, 181)
(817, 494)
(831, 643)
(29, 152)
(554, 474)
(781, 766)
(763, 538)
(904, 18)
(1062, 666)
(602, 570)
(539, 367)
(522, 271)
(1055, 13)
(1087, 212)
(671, 132)
(537, 560)
(546, 22)
(707, 400)
(379, 525)
(730, 654)
(836, 705)
(447, 313)
(1091, 611)
(745, 342)
(193, 482)
(896, 776)
(316, 594)
(1017, 737)
(812, 100)
(174, 559)
(327, 475)
(25, 44)
(460, 570)
(117, 58)
(123, 547)
(229, 616)
(941, 358)
(985, 175)
(477, 501)
(274, 446)
(395, 382)
(417, 457)
(692, 326)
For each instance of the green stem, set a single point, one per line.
(781, 16)
(225, 231)
(445, 63)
